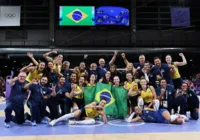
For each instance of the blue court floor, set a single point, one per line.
(113, 127)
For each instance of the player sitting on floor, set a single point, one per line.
(159, 116)
(87, 114)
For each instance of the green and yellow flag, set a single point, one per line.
(89, 94)
(76, 15)
(104, 91)
(116, 98)
(120, 94)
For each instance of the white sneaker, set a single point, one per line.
(52, 123)
(71, 122)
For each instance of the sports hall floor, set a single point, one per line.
(114, 130)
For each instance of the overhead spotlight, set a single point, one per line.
(190, 60)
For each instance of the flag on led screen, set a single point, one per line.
(76, 15)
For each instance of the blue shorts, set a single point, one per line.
(160, 118)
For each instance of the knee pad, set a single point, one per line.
(156, 105)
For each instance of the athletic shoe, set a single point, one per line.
(34, 123)
(52, 123)
(7, 125)
(44, 121)
(71, 122)
(47, 119)
(27, 121)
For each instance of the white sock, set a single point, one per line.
(173, 118)
(130, 117)
(140, 102)
(90, 121)
(156, 105)
(65, 117)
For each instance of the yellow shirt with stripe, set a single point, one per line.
(92, 112)
(80, 96)
(129, 85)
(147, 95)
(34, 75)
(176, 74)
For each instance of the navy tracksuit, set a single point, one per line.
(16, 103)
(36, 103)
(59, 100)
(192, 103)
(172, 101)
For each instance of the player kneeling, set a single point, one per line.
(87, 114)
(159, 116)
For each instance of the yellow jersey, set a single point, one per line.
(80, 96)
(175, 75)
(59, 67)
(147, 95)
(89, 85)
(129, 85)
(92, 112)
(34, 75)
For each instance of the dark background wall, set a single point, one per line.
(150, 33)
(150, 25)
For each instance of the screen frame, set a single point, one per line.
(90, 26)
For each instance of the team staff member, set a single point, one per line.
(192, 101)
(52, 74)
(174, 73)
(162, 70)
(169, 99)
(87, 114)
(146, 72)
(139, 66)
(102, 68)
(148, 96)
(66, 72)
(61, 96)
(39, 95)
(16, 100)
(159, 116)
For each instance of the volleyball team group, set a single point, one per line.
(54, 93)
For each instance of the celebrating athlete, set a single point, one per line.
(86, 115)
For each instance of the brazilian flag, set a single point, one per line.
(104, 91)
(120, 94)
(89, 94)
(116, 98)
(76, 15)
